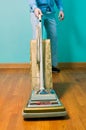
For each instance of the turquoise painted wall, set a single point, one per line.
(15, 32)
(72, 32)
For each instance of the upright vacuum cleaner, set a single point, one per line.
(43, 101)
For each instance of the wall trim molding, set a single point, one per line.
(15, 65)
(63, 65)
(74, 65)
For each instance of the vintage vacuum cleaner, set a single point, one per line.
(43, 101)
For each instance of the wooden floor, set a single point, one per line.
(15, 89)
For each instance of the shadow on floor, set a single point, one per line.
(62, 88)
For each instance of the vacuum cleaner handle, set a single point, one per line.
(38, 45)
(41, 55)
(39, 34)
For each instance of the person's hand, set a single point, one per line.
(37, 12)
(61, 15)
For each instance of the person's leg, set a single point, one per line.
(34, 23)
(51, 29)
(50, 26)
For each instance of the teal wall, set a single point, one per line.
(15, 32)
(72, 32)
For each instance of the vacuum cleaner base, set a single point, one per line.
(44, 114)
(44, 105)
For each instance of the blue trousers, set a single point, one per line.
(49, 22)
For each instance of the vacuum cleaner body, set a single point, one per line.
(43, 101)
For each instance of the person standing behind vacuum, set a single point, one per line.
(47, 10)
